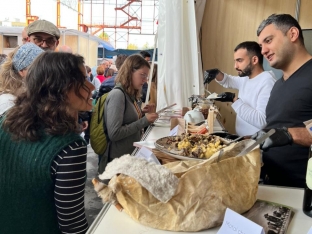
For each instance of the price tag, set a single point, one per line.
(174, 131)
(310, 231)
(235, 223)
(147, 155)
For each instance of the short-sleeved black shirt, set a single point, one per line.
(290, 104)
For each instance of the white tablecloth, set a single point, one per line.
(110, 220)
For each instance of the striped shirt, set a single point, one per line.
(68, 171)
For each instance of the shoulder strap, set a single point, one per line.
(116, 87)
(100, 115)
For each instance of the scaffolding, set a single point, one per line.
(129, 18)
(118, 19)
(29, 18)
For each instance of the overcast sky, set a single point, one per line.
(15, 10)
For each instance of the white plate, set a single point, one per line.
(161, 145)
(146, 144)
(180, 157)
(212, 96)
(162, 149)
(173, 110)
(170, 114)
(162, 122)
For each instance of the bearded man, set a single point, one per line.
(254, 86)
(44, 34)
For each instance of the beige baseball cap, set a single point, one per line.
(43, 26)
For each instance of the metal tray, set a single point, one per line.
(163, 146)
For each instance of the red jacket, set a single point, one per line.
(101, 78)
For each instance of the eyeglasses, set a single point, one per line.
(143, 75)
(40, 41)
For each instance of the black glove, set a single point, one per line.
(210, 75)
(279, 138)
(225, 97)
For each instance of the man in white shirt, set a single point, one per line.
(254, 86)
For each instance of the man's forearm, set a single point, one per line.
(301, 136)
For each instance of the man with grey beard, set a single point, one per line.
(254, 86)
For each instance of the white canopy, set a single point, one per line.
(179, 60)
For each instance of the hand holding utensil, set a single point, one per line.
(161, 110)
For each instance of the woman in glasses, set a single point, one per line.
(13, 72)
(123, 117)
(42, 156)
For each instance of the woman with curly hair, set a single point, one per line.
(42, 156)
(13, 71)
(123, 117)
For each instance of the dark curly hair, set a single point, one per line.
(43, 107)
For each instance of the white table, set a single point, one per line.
(158, 132)
(110, 220)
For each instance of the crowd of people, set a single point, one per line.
(44, 93)
(45, 104)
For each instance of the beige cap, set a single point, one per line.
(43, 26)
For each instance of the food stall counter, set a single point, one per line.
(110, 220)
